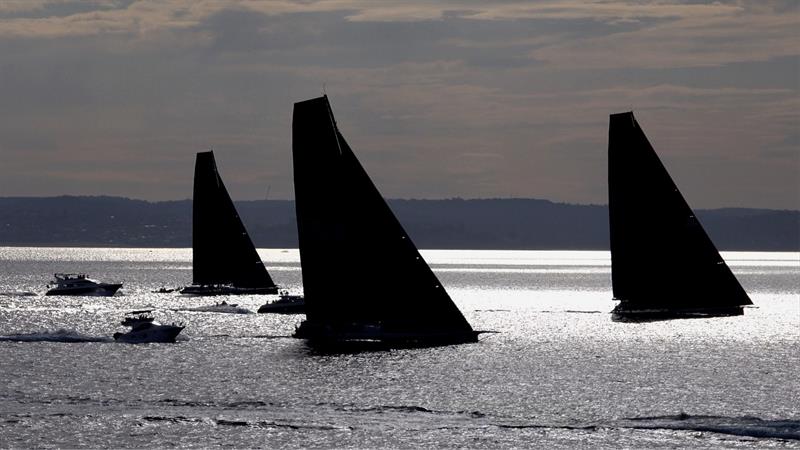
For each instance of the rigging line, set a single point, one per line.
(333, 123)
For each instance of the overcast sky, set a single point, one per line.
(439, 99)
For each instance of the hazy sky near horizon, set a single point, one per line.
(438, 98)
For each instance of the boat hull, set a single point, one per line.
(628, 313)
(284, 305)
(348, 337)
(227, 290)
(100, 290)
(223, 309)
(156, 333)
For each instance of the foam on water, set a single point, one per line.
(739, 426)
(18, 294)
(60, 335)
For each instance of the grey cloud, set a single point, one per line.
(460, 100)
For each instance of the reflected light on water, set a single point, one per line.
(558, 373)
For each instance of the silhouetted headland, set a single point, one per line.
(445, 224)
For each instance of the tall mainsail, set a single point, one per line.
(660, 255)
(359, 265)
(223, 253)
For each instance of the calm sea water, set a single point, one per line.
(559, 374)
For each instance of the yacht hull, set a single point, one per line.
(627, 313)
(100, 290)
(348, 337)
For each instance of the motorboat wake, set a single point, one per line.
(60, 335)
(219, 307)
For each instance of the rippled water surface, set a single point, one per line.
(559, 373)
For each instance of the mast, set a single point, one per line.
(661, 257)
(222, 252)
(349, 237)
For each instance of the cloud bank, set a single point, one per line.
(438, 98)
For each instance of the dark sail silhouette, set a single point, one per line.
(349, 236)
(663, 264)
(224, 260)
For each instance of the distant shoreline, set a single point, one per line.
(450, 224)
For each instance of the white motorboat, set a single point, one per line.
(144, 329)
(80, 284)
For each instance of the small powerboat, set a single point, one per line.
(285, 304)
(80, 284)
(165, 290)
(145, 329)
(220, 307)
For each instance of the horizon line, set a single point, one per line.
(387, 199)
